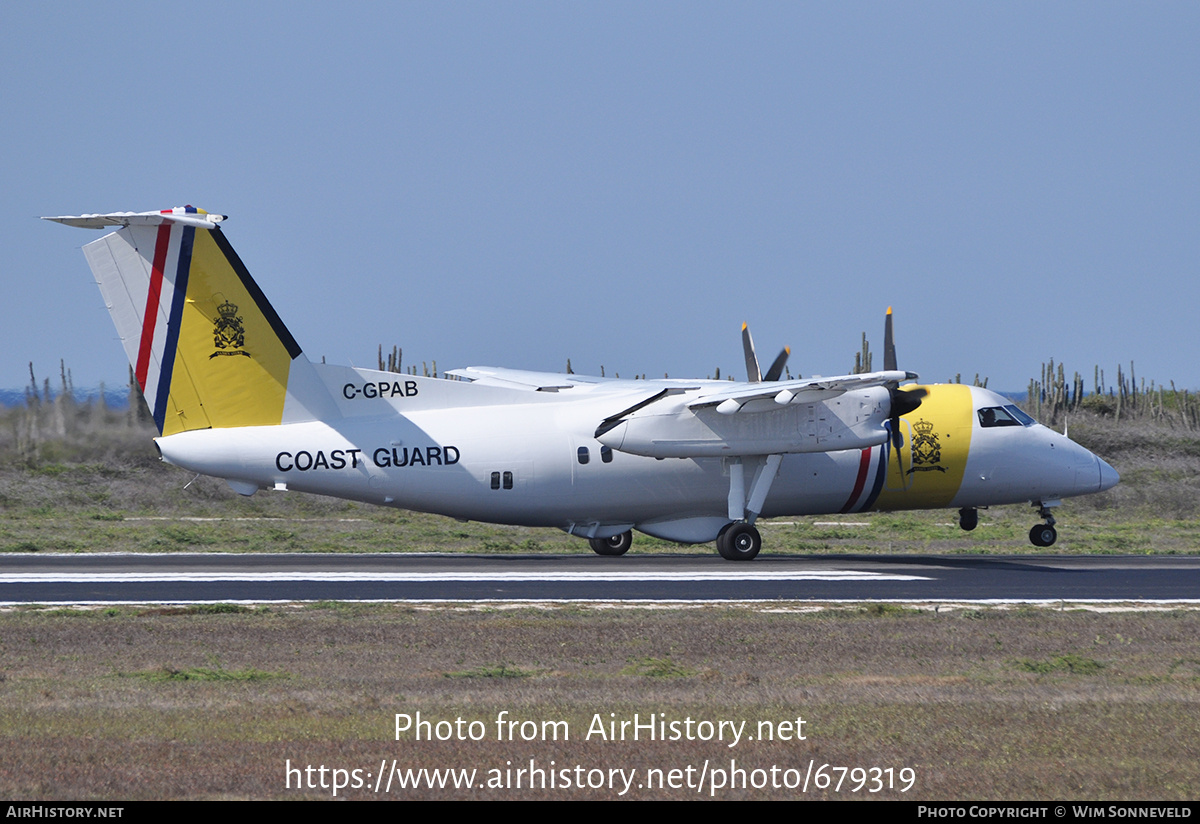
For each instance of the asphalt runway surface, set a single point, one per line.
(261, 578)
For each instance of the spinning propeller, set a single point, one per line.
(901, 402)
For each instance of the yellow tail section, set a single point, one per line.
(207, 348)
(233, 354)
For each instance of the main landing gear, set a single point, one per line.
(616, 545)
(1044, 534)
(739, 542)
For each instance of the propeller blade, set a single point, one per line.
(753, 375)
(902, 402)
(776, 370)
(889, 344)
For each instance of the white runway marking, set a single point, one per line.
(420, 577)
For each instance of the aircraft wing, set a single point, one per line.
(805, 390)
(523, 379)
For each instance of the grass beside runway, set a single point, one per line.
(208, 518)
(211, 702)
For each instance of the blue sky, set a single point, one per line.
(624, 183)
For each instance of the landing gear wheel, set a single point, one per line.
(1043, 535)
(968, 518)
(616, 545)
(739, 542)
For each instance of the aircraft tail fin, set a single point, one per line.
(207, 348)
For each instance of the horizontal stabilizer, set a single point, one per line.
(183, 215)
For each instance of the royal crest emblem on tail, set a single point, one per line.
(229, 336)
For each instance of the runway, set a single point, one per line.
(269, 578)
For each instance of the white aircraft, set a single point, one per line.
(689, 461)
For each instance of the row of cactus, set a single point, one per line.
(1049, 398)
(49, 415)
(1053, 396)
(394, 364)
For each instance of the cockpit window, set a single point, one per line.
(997, 416)
(1016, 412)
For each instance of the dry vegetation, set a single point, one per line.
(991, 704)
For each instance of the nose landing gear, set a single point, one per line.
(1044, 534)
(968, 518)
(616, 545)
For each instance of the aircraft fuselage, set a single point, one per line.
(529, 458)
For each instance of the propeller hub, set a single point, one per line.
(905, 401)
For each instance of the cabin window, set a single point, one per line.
(606, 454)
(508, 480)
(495, 480)
(584, 457)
